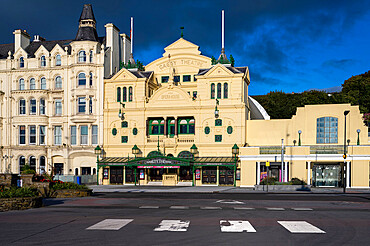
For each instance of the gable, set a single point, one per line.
(219, 71)
(41, 51)
(181, 46)
(124, 74)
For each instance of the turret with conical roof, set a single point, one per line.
(87, 26)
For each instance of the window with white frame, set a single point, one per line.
(21, 84)
(22, 106)
(84, 134)
(82, 56)
(58, 60)
(91, 79)
(22, 134)
(58, 82)
(58, 106)
(43, 83)
(91, 56)
(32, 84)
(57, 135)
(81, 105)
(42, 133)
(33, 106)
(73, 135)
(21, 62)
(43, 61)
(32, 135)
(82, 79)
(94, 135)
(42, 106)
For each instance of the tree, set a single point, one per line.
(356, 90)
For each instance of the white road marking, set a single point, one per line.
(110, 224)
(276, 209)
(300, 227)
(179, 207)
(229, 202)
(149, 207)
(302, 209)
(236, 226)
(173, 225)
(211, 208)
(244, 208)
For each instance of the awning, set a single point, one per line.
(214, 161)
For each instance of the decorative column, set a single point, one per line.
(308, 173)
(176, 130)
(348, 166)
(258, 172)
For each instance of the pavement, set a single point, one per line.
(214, 189)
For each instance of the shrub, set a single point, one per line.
(27, 170)
(297, 181)
(18, 192)
(271, 181)
(68, 185)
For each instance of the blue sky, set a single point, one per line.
(291, 45)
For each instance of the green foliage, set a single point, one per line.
(139, 65)
(297, 181)
(18, 192)
(26, 169)
(213, 59)
(68, 185)
(356, 90)
(232, 60)
(271, 181)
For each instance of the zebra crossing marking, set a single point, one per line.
(243, 208)
(236, 226)
(110, 224)
(210, 208)
(300, 227)
(173, 225)
(148, 207)
(276, 209)
(179, 207)
(302, 209)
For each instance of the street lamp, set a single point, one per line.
(98, 151)
(345, 150)
(299, 140)
(121, 114)
(135, 150)
(217, 112)
(194, 151)
(235, 151)
(358, 136)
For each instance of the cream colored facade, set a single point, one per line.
(178, 87)
(52, 98)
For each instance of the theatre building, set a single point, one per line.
(187, 119)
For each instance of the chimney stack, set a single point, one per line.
(21, 39)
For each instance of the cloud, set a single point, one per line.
(338, 63)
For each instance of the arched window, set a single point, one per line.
(82, 79)
(130, 94)
(91, 56)
(32, 84)
(212, 91)
(21, 62)
(124, 94)
(58, 60)
(32, 162)
(22, 106)
(226, 90)
(156, 127)
(21, 84)
(42, 106)
(22, 162)
(33, 106)
(186, 126)
(219, 90)
(91, 79)
(118, 94)
(58, 82)
(43, 61)
(327, 130)
(82, 56)
(43, 83)
(42, 165)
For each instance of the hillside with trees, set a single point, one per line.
(355, 90)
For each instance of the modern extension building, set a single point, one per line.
(188, 120)
(51, 95)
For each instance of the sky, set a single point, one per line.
(288, 45)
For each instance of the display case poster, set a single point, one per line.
(142, 174)
(263, 175)
(197, 174)
(238, 174)
(105, 173)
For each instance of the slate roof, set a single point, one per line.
(232, 69)
(4, 49)
(87, 33)
(87, 13)
(141, 74)
(49, 45)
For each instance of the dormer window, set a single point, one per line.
(82, 56)
(21, 62)
(58, 60)
(43, 61)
